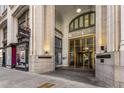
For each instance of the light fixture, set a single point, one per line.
(46, 52)
(102, 47)
(78, 10)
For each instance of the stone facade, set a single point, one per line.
(109, 32)
(41, 35)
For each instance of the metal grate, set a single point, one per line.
(46, 85)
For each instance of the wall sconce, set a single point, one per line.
(46, 49)
(102, 48)
(46, 52)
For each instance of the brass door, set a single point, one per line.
(82, 52)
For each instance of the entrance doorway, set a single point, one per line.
(81, 52)
(4, 58)
(58, 51)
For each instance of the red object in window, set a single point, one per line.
(13, 56)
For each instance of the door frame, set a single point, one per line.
(80, 38)
(61, 50)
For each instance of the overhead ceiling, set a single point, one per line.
(65, 9)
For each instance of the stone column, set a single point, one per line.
(98, 40)
(1, 37)
(9, 35)
(110, 28)
(65, 42)
(49, 43)
(15, 29)
(36, 22)
(41, 39)
(122, 37)
(119, 72)
(98, 28)
(1, 45)
(50, 29)
(105, 67)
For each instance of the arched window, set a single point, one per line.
(82, 21)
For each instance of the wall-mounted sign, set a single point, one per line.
(103, 56)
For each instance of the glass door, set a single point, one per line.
(71, 53)
(58, 51)
(82, 52)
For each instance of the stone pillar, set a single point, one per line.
(49, 42)
(9, 35)
(50, 29)
(119, 72)
(1, 45)
(98, 27)
(106, 70)
(117, 28)
(1, 37)
(98, 66)
(65, 42)
(15, 29)
(41, 39)
(122, 37)
(110, 28)
(36, 23)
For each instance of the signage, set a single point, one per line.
(103, 56)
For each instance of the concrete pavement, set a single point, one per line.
(11, 78)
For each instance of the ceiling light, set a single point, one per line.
(78, 10)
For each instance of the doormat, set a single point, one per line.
(46, 85)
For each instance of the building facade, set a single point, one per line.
(39, 38)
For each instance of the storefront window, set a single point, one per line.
(22, 49)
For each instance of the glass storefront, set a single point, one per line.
(22, 48)
(22, 56)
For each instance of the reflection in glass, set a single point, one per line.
(81, 21)
(77, 45)
(92, 19)
(71, 52)
(76, 23)
(86, 17)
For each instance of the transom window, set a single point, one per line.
(82, 21)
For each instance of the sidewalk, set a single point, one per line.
(10, 78)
